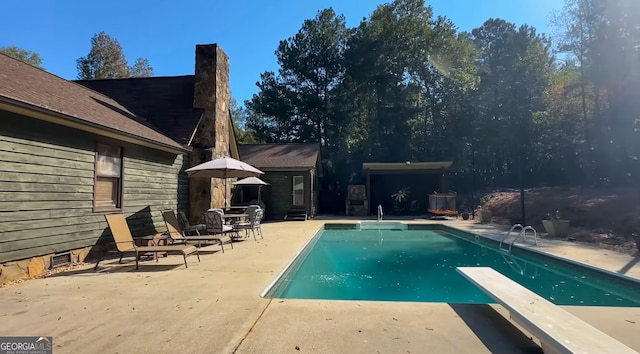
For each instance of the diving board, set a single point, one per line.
(558, 330)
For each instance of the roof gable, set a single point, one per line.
(166, 102)
(280, 156)
(34, 89)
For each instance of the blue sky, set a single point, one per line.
(166, 32)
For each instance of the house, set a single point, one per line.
(68, 155)
(72, 151)
(292, 170)
(192, 110)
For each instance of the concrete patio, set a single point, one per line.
(214, 307)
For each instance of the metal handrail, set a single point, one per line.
(524, 233)
(512, 263)
(380, 212)
(509, 233)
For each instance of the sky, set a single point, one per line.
(166, 32)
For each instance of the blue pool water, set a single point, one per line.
(419, 265)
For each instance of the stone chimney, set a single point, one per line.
(211, 140)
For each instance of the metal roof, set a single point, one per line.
(382, 167)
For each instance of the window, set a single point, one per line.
(298, 190)
(107, 192)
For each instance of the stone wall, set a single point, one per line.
(211, 140)
(35, 267)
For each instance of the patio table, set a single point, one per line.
(241, 209)
(234, 217)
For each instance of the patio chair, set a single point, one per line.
(259, 203)
(215, 224)
(187, 228)
(178, 236)
(125, 244)
(252, 224)
(251, 209)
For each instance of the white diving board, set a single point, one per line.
(558, 330)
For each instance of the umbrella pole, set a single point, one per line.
(225, 193)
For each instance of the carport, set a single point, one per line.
(421, 178)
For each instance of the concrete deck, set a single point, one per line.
(214, 307)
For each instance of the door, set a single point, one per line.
(298, 190)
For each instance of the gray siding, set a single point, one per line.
(183, 186)
(46, 188)
(278, 196)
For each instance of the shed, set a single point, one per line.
(292, 169)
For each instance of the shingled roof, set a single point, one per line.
(280, 156)
(166, 102)
(34, 89)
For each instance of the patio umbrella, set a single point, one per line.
(252, 181)
(224, 167)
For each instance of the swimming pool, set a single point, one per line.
(399, 262)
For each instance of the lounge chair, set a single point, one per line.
(187, 228)
(252, 224)
(178, 235)
(125, 244)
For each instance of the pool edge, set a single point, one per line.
(275, 280)
(558, 258)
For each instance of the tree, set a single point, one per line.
(381, 53)
(27, 56)
(602, 38)
(514, 68)
(559, 147)
(576, 27)
(141, 68)
(239, 118)
(106, 60)
(409, 86)
(297, 103)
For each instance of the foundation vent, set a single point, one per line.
(60, 259)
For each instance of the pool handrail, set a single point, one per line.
(515, 226)
(523, 232)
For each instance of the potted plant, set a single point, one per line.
(484, 214)
(555, 226)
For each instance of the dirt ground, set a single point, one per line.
(608, 218)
